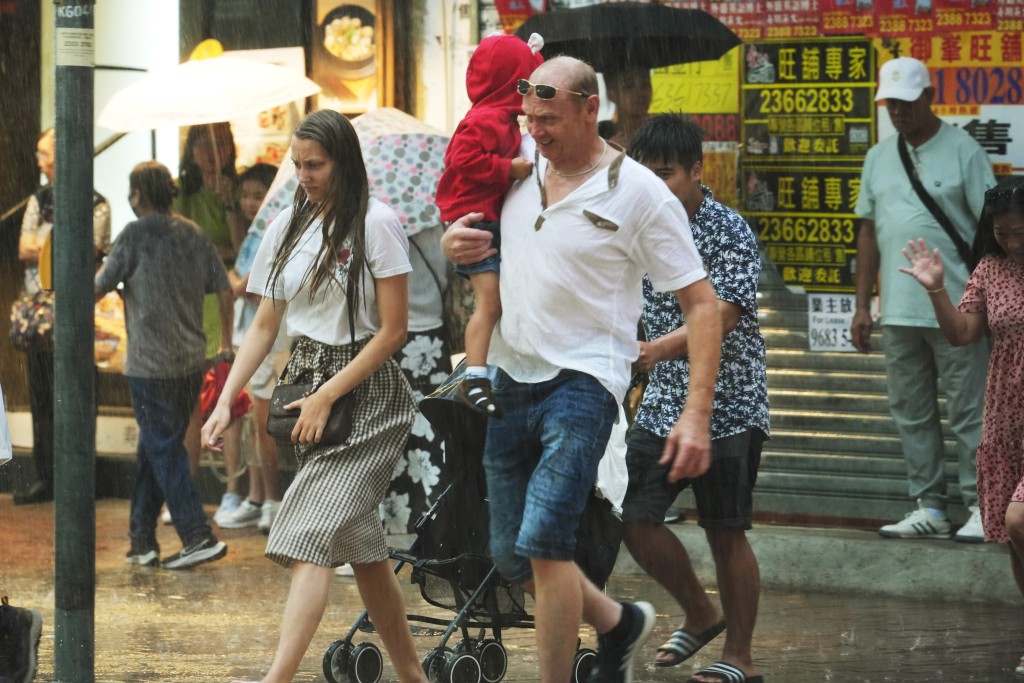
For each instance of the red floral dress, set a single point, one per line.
(996, 289)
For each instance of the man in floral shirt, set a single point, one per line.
(670, 146)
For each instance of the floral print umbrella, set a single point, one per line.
(404, 160)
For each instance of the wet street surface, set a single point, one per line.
(219, 621)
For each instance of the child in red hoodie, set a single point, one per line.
(481, 162)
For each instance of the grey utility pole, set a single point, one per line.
(74, 266)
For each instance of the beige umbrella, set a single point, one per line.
(203, 91)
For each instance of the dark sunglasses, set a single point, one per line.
(543, 92)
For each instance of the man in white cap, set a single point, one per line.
(952, 172)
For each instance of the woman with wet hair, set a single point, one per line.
(167, 266)
(993, 304)
(333, 268)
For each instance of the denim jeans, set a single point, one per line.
(915, 359)
(162, 408)
(541, 462)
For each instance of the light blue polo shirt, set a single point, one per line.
(955, 171)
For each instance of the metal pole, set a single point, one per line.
(74, 337)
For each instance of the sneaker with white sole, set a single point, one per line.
(971, 531)
(143, 554)
(245, 515)
(206, 550)
(268, 513)
(614, 663)
(921, 523)
(229, 502)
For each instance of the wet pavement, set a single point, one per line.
(220, 621)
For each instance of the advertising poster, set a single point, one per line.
(346, 54)
(979, 86)
(707, 91)
(791, 18)
(809, 118)
(847, 16)
(744, 17)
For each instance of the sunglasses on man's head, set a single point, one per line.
(543, 92)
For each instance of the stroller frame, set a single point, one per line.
(481, 599)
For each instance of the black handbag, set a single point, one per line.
(281, 422)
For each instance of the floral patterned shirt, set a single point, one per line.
(731, 258)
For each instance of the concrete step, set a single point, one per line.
(825, 399)
(838, 443)
(808, 419)
(858, 562)
(802, 359)
(790, 379)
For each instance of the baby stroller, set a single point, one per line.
(450, 564)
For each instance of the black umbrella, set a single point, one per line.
(613, 35)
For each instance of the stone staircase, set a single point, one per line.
(835, 454)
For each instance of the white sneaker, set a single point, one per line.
(246, 514)
(165, 517)
(268, 513)
(229, 502)
(971, 531)
(921, 523)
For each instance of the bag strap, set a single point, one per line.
(962, 247)
(433, 273)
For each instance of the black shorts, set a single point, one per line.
(724, 493)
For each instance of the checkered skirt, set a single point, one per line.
(330, 514)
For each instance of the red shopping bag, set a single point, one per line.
(213, 385)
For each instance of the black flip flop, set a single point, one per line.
(722, 672)
(683, 644)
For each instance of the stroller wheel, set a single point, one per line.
(433, 664)
(582, 663)
(493, 660)
(461, 668)
(365, 664)
(336, 661)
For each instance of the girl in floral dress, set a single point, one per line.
(993, 303)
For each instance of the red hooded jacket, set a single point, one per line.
(480, 152)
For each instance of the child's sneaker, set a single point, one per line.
(20, 630)
(246, 514)
(475, 392)
(614, 662)
(144, 554)
(206, 550)
(229, 502)
(268, 513)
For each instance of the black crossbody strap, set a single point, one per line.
(962, 248)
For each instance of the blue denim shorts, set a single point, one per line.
(491, 262)
(541, 462)
(724, 494)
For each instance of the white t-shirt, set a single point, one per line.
(325, 319)
(571, 291)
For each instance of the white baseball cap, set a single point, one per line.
(903, 78)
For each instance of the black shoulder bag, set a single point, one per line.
(962, 248)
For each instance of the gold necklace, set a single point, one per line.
(585, 171)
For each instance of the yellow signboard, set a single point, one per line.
(699, 87)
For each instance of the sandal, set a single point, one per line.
(721, 672)
(683, 644)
